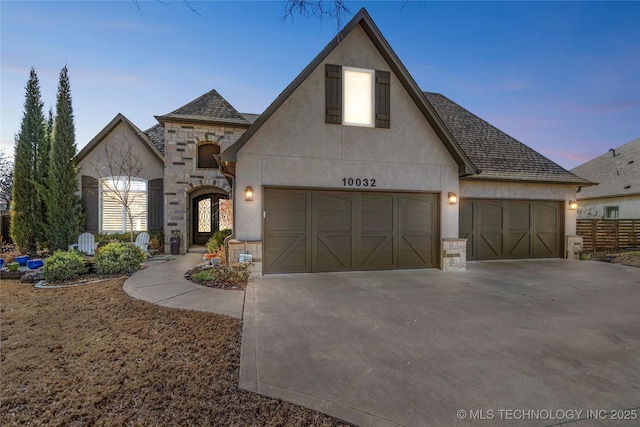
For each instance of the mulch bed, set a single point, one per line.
(630, 258)
(236, 285)
(91, 355)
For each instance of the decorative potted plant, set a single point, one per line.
(13, 266)
(22, 260)
(585, 256)
(34, 264)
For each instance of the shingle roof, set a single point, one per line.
(496, 154)
(617, 175)
(208, 108)
(251, 117)
(156, 136)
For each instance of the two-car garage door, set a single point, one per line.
(318, 230)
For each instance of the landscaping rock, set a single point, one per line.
(32, 276)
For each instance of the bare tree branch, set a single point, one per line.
(334, 9)
(187, 3)
(6, 178)
(118, 165)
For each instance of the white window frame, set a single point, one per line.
(346, 111)
(122, 184)
(606, 212)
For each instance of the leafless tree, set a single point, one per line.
(118, 166)
(333, 9)
(6, 179)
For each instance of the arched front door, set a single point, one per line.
(206, 216)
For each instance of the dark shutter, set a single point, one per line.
(155, 206)
(90, 204)
(383, 99)
(333, 93)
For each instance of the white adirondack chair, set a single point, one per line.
(142, 241)
(86, 243)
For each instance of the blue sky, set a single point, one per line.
(562, 77)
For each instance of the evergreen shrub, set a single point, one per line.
(217, 240)
(63, 265)
(118, 258)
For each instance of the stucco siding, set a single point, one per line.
(295, 147)
(629, 207)
(95, 164)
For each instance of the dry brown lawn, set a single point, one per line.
(91, 355)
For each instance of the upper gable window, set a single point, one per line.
(358, 96)
(206, 152)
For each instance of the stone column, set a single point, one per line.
(574, 247)
(454, 254)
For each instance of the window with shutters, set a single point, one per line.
(357, 96)
(206, 152)
(123, 204)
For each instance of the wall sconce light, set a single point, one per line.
(248, 194)
(453, 198)
(573, 205)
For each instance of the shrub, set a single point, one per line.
(8, 253)
(217, 240)
(63, 265)
(103, 239)
(232, 274)
(118, 258)
(157, 242)
(202, 276)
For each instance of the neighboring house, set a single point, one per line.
(617, 194)
(352, 167)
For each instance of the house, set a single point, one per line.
(352, 167)
(617, 194)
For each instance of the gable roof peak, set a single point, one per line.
(362, 18)
(210, 107)
(117, 120)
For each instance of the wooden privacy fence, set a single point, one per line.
(5, 220)
(609, 234)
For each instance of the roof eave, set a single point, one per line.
(608, 196)
(119, 118)
(580, 183)
(163, 119)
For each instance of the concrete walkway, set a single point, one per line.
(163, 283)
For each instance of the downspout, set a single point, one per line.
(230, 177)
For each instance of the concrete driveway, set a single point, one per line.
(506, 343)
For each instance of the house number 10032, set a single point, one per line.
(359, 182)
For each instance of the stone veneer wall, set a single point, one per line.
(454, 254)
(182, 176)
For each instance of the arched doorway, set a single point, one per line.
(205, 220)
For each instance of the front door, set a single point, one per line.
(206, 216)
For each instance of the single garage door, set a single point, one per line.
(316, 230)
(511, 229)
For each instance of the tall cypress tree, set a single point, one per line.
(24, 212)
(41, 178)
(64, 210)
